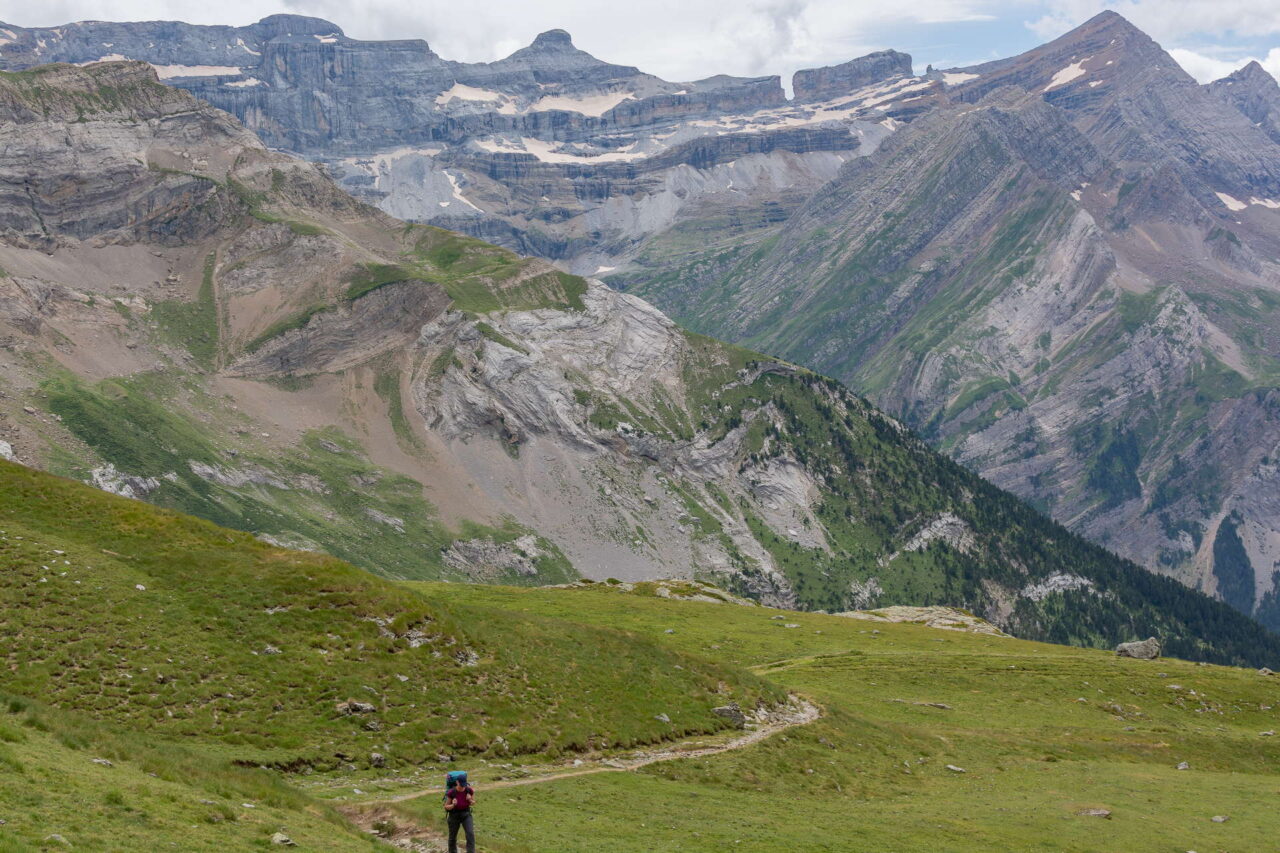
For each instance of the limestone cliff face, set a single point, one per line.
(549, 150)
(427, 405)
(821, 84)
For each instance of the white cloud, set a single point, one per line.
(1206, 68)
(1170, 21)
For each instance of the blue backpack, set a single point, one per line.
(453, 777)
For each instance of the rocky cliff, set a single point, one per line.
(1255, 94)
(549, 151)
(1065, 277)
(288, 361)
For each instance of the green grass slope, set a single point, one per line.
(167, 624)
(1042, 734)
(99, 788)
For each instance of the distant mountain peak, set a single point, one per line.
(553, 40)
(812, 84)
(274, 26)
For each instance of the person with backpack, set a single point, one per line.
(458, 799)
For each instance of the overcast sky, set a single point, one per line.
(690, 39)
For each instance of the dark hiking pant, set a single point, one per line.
(462, 820)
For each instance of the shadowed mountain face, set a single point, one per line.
(192, 319)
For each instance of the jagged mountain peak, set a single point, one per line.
(553, 40)
(1255, 93)
(1252, 72)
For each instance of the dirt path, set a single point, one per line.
(379, 817)
(799, 713)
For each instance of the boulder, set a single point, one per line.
(351, 706)
(731, 712)
(1148, 649)
(1104, 813)
(282, 840)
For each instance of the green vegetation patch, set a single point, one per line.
(192, 325)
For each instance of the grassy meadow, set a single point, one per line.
(169, 684)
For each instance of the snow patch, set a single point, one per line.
(1072, 72)
(1265, 202)
(459, 92)
(457, 193)
(594, 105)
(955, 78)
(1231, 202)
(245, 83)
(240, 43)
(332, 38)
(166, 72)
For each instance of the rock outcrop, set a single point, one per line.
(836, 81)
(1253, 92)
(1148, 649)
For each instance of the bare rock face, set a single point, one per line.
(834, 81)
(1148, 649)
(1255, 94)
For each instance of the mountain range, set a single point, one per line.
(316, 502)
(198, 321)
(1059, 268)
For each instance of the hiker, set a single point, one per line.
(457, 803)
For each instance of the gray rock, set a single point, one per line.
(1220, 818)
(282, 840)
(731, 712)
(662, 718)
(1103, 813)
(821, 84)
(1182, 765)
(1265, 671)
(954, 769)
(377, 759)
(1148, 649)
(351, 707)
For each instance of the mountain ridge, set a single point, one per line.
(425, 405)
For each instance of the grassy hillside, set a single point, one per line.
(100, 788)
(167, 624)
(1042, 733)
(152, 640)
